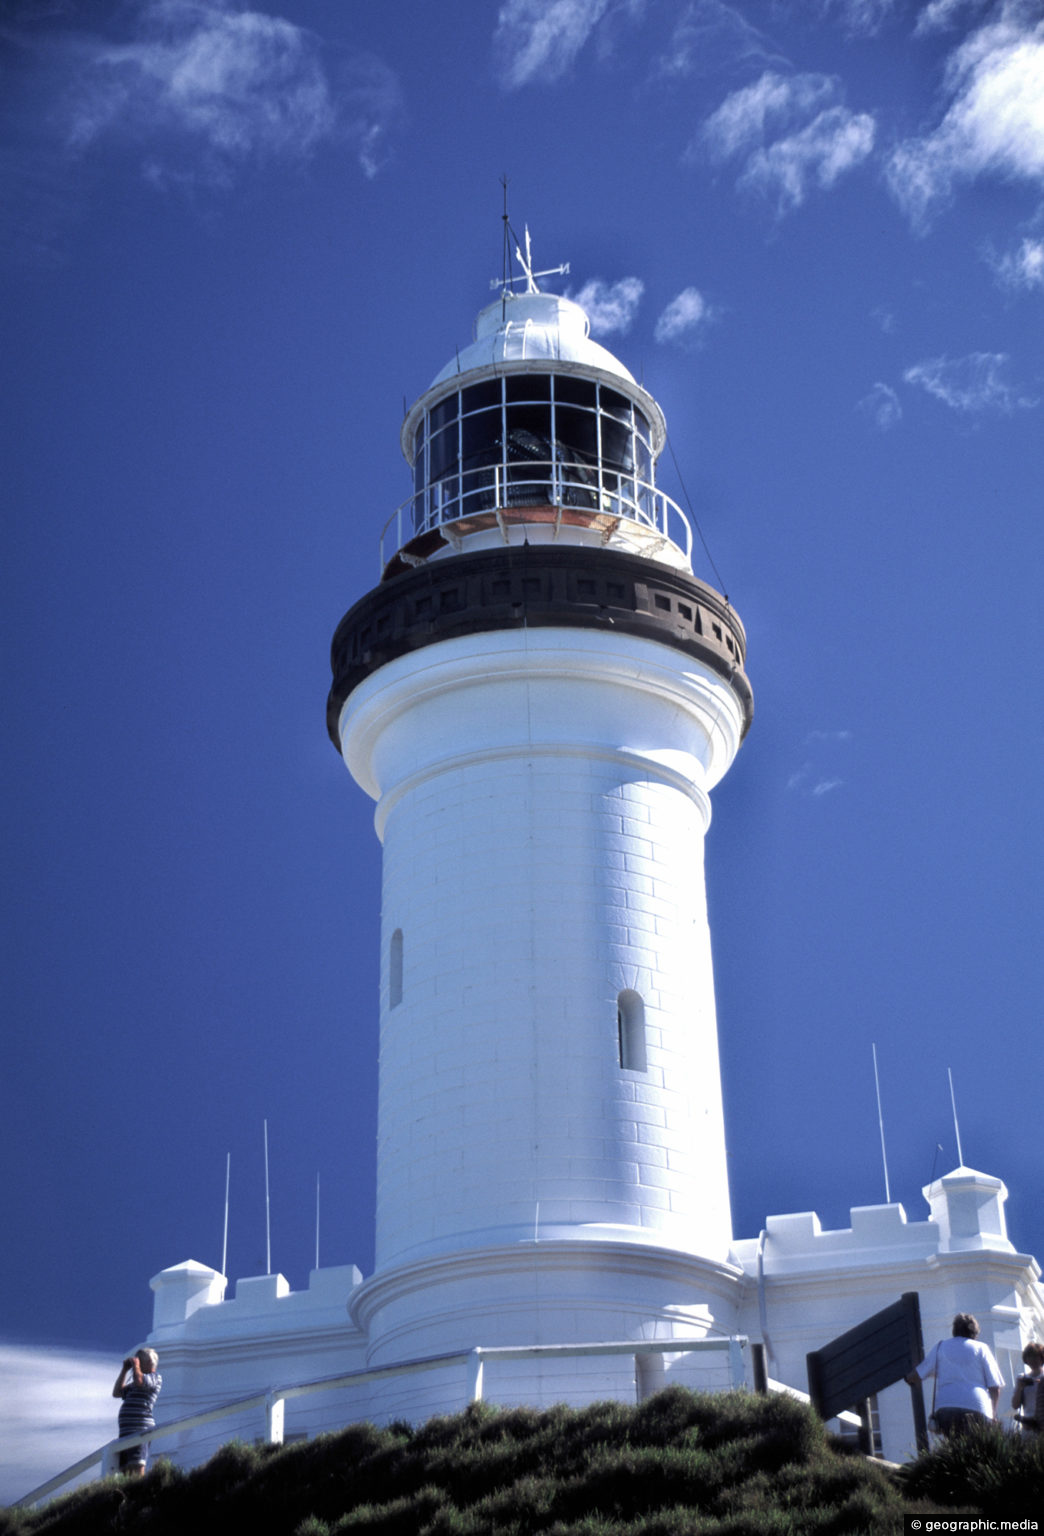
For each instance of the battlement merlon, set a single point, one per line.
(967, 1216)
(190, 1297)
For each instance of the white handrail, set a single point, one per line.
(474, 1359)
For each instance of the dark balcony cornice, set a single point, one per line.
(536, 586)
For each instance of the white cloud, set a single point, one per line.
(1023, 267)
(710, 36)
(610, 306)
(806, 781)
(882, 407)
(791, 133)
(538, 40)
(968, 384)
(861, 16)
(810, 779)
(819, 154)
(939, 15)
(769, 106)
(686, 312)
(993, 125)
(204, 89)
(56, 1406)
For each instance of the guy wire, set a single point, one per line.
(696, 521)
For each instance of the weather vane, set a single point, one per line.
(505, 283)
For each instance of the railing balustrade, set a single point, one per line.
(507, 488)
(473, 1360)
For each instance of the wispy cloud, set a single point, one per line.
(537, 41)
(791, 134)
(817, 155)
(970, 384)
(610, 306)
(1022, 268)
(860, 17)
(993, 124)
(882, 407)
(711, 36)
(687, 313)
(808, 781)
(939, 15)
(55, 1407)
(812, 778)
(203, 89)
(765, 109)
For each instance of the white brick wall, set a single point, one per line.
(542, 799)
(543, 812)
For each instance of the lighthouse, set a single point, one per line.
(540, 696)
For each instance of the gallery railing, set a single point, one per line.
(579, 493)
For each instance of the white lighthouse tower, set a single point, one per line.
(540, 696)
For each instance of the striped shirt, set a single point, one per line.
(136, 1408)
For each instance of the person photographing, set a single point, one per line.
(1028, 1398)
(138, 1395)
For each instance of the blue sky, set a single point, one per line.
(233, 241)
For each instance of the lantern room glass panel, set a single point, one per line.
(533, 439)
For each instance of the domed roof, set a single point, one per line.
(529, 326)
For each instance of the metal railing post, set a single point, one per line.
(275, 1418)
(475, 1373)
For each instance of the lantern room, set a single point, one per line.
(534, 433)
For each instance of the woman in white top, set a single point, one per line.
(967, 1378)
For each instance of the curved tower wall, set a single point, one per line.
(542, 800)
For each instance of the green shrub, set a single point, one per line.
(987, 1468)
(679, 1464)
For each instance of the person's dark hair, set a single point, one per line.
(965, 1326)
(1033, 1354)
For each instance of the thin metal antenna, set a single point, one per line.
(268, 1213)
(935, 1159)
(880, 1123)
(224, 1240)
(956, 1127)
(505, 280)
(317, 1219)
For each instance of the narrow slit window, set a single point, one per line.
(395, 970)
(630, 1029)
